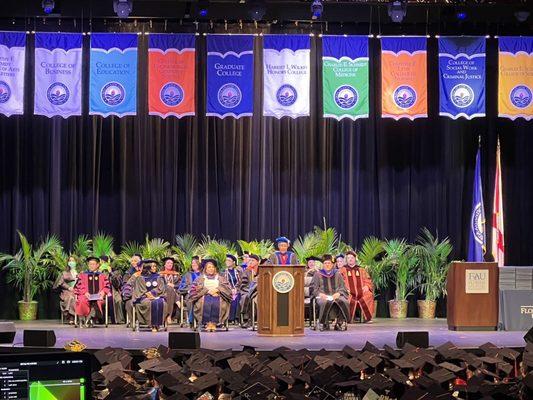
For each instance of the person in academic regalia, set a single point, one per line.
(91, 289)
(172, 281)
(248, 289)
(114, 298)
(126, 289)
(65, 285)
(245, 256)
(310, 270)
(283, 256)
(233, 275)
(339, 261)
(331, 295)
(185, 285)
(211, 297)
(149, 295)
(359, 286)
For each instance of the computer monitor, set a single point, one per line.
(45, 376)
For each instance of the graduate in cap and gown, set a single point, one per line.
(149, 295)
(331, 295)
(359, 286)
(211, 296)
(310, 270)
(186, 283)
(233, 275)
(126, 289)
(172, 282)
(92, 287)
(283, 256)
(65, 285)
(339, 261)
(249, 289)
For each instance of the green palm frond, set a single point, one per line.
(326, 241)
(155, 248)
(263, 248)
(185, 249)
(81, 248)
(122, 260)
(102, 245)
(216, 249)
(403, 262)
(370, 257)
(305, 246)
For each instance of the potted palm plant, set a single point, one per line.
(155, 249)
(432, 254)
(403, 263)
(216, 249)
(263, 248)
(122, 260)
(31, 270)
(371, 258)
(185, 249)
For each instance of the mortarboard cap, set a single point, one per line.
(90, 258)
(165, 259)
(313, 258)
(451, 367)
(232, 257)
(371, 359)
(282, 239)
(397, 375)
(442, 376)
(414, 393)
(206, 261)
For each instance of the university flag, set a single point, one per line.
(171, 74)
(230, 76)
(403, 77)
(462, 76)
(498, 242)
(477, 240)
(515, 79)
(113, 74)
(345, 77)
(58, 66)
(12, 60)
(286, 75)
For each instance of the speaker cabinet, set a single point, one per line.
(417, 339)
(39, 338)
(184, 340)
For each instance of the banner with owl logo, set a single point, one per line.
(58, 66)
(462, 76)
(12, 61)
(171, 75)
(515, 80)
(345, 77)
(230, 76)
(286, 75)
(403, 77)
(113, 74)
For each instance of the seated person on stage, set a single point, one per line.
(149, 295)
(359, 286)
(310, 270)
(172, 281)
(126, 290)
(65, 285)
(91, 289)
(211, 297)
(233, 275)
(186, 283)
(339, 261)
(249, 289)
(114, 298)
(245, 256)
(283, 256)
(331, 296)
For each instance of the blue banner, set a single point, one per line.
(58, 65)
(230, 76)
(12, 61)
(113, 74)
(462, 77)
(477, 239)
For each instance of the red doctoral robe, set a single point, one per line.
(355, 279)
(92, 283)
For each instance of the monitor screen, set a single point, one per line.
(45, 376)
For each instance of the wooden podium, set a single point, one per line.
(280, 300)
(472, 296)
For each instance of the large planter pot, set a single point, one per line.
(398, 309)
(28, 311)
(426, 309)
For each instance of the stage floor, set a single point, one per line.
(381, 332)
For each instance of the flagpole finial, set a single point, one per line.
(479, 140)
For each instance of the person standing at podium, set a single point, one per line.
(331, 295)
(283, 256)
(360, 287)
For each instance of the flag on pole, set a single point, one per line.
(477, 240)
(498, 248)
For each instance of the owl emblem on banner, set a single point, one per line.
(521, 96)
(171, 94)
(57, 94)
(462, 95)
(229, 95)
(404, 96)
(5, 92)
(286, 95)
(113, 94)
(346, 97)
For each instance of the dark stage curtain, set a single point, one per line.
(260, 177)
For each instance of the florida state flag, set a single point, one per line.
(403, 77)
(171, 72)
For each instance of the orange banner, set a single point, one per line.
(403, 77)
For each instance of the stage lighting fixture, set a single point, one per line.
(203, 8)
(48, 6)
(461, 14)
(521, 15)
(256, 9)
(123, 8)
(397, 11)
(316, 9)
